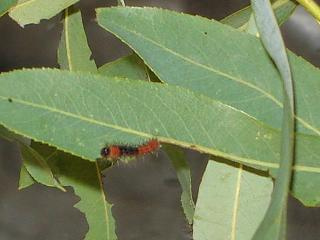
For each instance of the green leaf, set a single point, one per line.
(73, 52)
(274, 224)
(127, 67)
(80, 113)
(32, 11)
(238, 19)
(74, 55)
(37, 167)
(182, 168)
(231, 203)
(5, 5)
(33, 163)
(85, 178)
(25, 179)
(217, 61)
(283, 10)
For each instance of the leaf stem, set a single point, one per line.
(312, 7)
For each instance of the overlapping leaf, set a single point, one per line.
(25, 179)
(32, 11)
(84, 177)
(34, 167)
(37, 167)
(182, 168)
(74, 53)
(274, 224)
(127, 67)
(239, 19)
(217, 61)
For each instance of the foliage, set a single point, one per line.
(193, 83)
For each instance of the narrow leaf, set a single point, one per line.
(73, 52)
(182, 168)
(37, 167)
(25, 179)
(33, 163)
(236, 81)
(32, 11)
(80, 113)
(274, 224)
(312, 7)
(85, 178)
(231, 203)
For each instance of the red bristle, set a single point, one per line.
(114, 152)
(148, 147)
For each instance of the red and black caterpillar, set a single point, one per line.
(114, 152)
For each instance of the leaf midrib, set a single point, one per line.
(236, 204)
(209, 68)
(102, 194)
(200, 148)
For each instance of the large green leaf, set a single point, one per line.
(5, 5)
(85, 178)
(217, 61)
(231, 203)
(74, 53)
(274, 224)
(32, 11)
(80, 113)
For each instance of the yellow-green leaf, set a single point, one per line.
(32, 11)
(74, 53)
(274, 224)
(25, 179)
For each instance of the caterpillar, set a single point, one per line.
(114, 152)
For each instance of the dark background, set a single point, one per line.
(146, 194)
